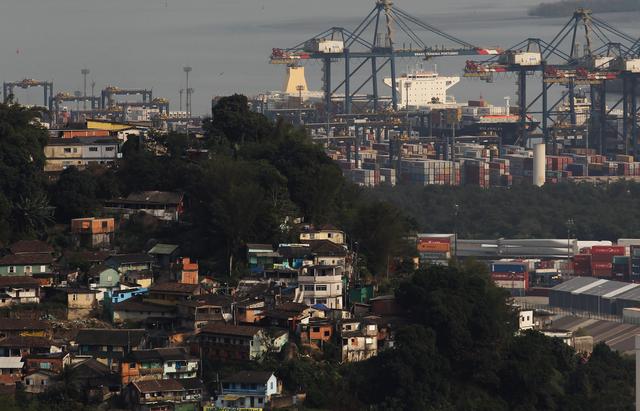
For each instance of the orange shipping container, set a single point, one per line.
(433, 247)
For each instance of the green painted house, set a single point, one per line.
(104, 276)
(27, 264)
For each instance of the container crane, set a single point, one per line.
(375, 43)
(560, 63)
(108, 95)
(8, 88)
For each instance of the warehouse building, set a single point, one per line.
(595, 295)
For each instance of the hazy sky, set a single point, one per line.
(145, 43)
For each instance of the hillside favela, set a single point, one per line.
(297, 205)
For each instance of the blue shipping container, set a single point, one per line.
(508, 268)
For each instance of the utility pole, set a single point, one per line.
(181, 92)
(455, 227)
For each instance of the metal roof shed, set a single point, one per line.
(560, 295)
(629, 299)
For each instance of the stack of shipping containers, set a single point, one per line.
(476, 172)
(430, 172)
(499, 173)
(621, 268)
(521, 168)
(635, 263)
(602, 259)
(582, 265)
(511, 275)
(435, 248)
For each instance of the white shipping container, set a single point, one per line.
(515, 284)
(603, 62)
(525, 59)
(632, 65)
(324, 46)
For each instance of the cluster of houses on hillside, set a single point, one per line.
(136, 330)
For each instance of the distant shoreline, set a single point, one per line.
(565, 8)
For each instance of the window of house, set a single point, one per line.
(170, 364)
(308, 287)
(12, 269)
(347, 327)
(321, 300)
(368, 340)
(67, 150)
(132, 365)
(327, 333)
(105, 224)
(316, 329)
(43, 268)
(109, 148)
(321, 287)
(329, 235)
(93, 148)
(260, 400)
(28, 269)
(371, 327)
(45, 365)
(75, 150)
(354, 341)
(271, 385)
(74, 297)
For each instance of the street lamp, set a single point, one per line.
(407, 86)
(570, 223)
(300, 89)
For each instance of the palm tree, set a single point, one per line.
(32, 214)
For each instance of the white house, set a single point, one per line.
(326, 232)
(525, 320)
(322, 285)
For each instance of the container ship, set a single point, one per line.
(422, 89)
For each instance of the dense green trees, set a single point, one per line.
(23, 202)
(459, 351)
(599, 212)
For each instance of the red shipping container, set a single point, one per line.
(601, 266)
(603, 249)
